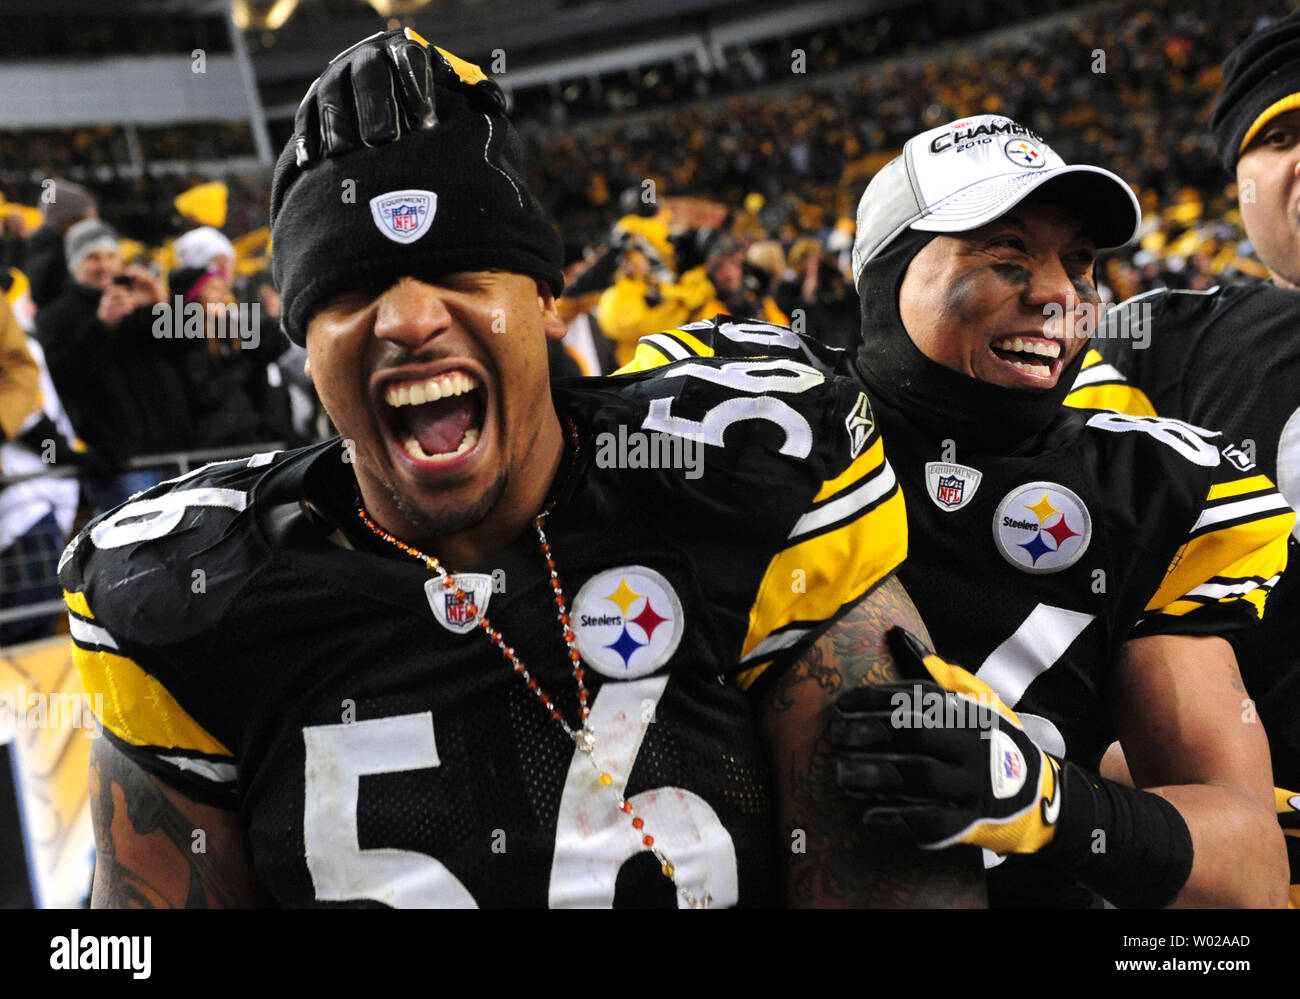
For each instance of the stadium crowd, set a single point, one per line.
(1132, 90)
(702, 205)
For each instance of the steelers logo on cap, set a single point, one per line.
(1042, 527)
(1023, 152)
(627, 622)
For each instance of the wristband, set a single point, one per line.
(1129, 845)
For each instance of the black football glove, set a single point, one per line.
(939, 756)
(379, 88)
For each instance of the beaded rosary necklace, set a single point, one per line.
(584, 736)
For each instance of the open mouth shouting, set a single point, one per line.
(436, 421)
(1036, 360)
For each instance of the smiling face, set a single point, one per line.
(1004, 303)
(1268, 187)
(444, 390)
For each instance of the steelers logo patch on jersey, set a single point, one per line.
(627, 622)
(1042, 527)
(951, 486)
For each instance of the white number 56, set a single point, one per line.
(593, 839)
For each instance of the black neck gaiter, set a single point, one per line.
(976, 415)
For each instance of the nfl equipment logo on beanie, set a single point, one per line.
(443, 197)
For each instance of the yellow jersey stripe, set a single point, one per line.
(137, 708)
(1123, 398)
(865, 463)
(77, 604)
(1255, 483)
(810, 581)
(1101, 386)
(1254, 549)
(1256, 598)
(651, 355)
(646, 358)
(693, 343)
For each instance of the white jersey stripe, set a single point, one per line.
(89, 634)
(1031, 650)
(668, 345)
(1272, 503)
(775, 643)
(1218, 591)
(218, 773)
(880, 483)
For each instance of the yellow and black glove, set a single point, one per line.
(940, 758)
(940, 755)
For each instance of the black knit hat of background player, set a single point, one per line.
(402, 163)
(1261, 80)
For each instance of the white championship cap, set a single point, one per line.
(971, 171)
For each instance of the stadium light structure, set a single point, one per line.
(262, 15)
(394, 8)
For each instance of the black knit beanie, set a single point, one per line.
(1261, 79)
(438, 201)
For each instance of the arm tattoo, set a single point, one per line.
(853, 653)
(840, 863)
(126, 802)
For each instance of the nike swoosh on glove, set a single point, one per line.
(940, 756)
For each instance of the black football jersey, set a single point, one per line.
(1227, 358)
(1032, 571)
(257, 648)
